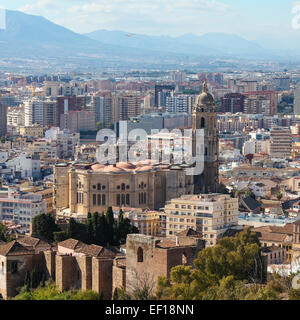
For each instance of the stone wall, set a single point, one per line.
(102, 276)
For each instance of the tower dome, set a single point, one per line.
(205, 98)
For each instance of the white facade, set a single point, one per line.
(34, 112)
(66, 141)
(28, 166)
(255, 146)
(21, 209)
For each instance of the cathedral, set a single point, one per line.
(205, 117)
(91, 187)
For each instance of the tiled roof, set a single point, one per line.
(190, 233)
(33, 242)
(71, 244)
(286, 230)
(276, 237)
(14, 248)
(167, 244)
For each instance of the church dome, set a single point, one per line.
(205, 97)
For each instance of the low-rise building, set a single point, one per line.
(21, 208)
(275, 255)
(35, 130)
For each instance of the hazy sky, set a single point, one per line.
(249, 18)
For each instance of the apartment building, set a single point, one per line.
(147, 221)
(210, 214)
(21, 208)
(280, 143)
(35, 130)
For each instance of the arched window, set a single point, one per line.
(99, 200)
(140, 255)
(202, 122)
(123, 199)
(103, 200)
(99, 186)
(127, 199)
(123, 186)
(184, 259)
(94, 200)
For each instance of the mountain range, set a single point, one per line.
(212, 44)
(34, 37)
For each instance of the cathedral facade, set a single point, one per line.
(205, 118)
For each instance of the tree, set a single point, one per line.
(3, 231)
(27, 281)
(250, 193)
(98, 125)
(51, 292)
(60, 236)
(77, 230)
(239, 257)
(44, 226)
(115, 294)
(4, 236)
(110, 226)
(101, 296)
(279, 195)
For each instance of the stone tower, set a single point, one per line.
(205, 117)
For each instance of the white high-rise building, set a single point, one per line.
(182, 103)
(34, 112)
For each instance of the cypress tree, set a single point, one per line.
(109, 218)
(27, 281)
(43, 281)
(101, 296)
(115, 294)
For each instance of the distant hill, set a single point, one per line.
(213, 44)
(35, 38)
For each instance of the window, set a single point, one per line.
(127, 199)
(118, 200)
(99, 186)
(99, 199)
(103, 200)
(202, 122)
(140, 255)
(123, 186)
(94, 200)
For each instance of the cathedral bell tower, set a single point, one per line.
(205, 117)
